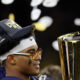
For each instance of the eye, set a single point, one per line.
(31, 51)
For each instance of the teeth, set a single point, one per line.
(36, 63)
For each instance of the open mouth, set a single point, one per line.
(37, 65)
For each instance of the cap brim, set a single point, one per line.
(24, 31)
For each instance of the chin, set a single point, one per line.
(35, 74)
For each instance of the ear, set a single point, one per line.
(11, 59)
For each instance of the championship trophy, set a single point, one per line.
(69, 49)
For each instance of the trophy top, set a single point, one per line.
(71, 37)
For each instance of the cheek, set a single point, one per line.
(27, 67)
(24, 63)
(21, 62)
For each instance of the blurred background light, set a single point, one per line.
(43, 23)
(50, 3)
(39, 26)
(35, 13)
(11, 16)
(77, 21)
(46, 20)
(55, 45)
(7, 2)
(36, 2)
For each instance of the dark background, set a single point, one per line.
(63, 22)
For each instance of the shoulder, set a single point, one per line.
(11, 78)
(4, 79)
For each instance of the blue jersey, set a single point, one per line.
(15, 78)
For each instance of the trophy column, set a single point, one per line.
(69, 50)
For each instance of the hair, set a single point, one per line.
(52, 71)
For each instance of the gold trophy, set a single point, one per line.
(69, 49)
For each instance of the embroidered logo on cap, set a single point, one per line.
(12, 24)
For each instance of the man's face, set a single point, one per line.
(28, 65)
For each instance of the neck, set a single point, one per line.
(17, 74)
